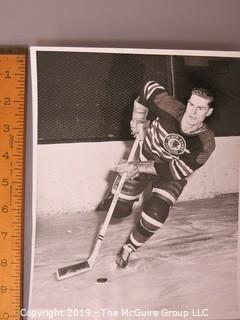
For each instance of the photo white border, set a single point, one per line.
(33, 64)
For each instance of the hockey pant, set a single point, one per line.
(165, 192)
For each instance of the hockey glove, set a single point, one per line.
(131, 168)
(138, 116)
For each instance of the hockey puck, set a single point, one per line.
(102, 280)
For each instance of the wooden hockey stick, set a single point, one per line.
(87, 265)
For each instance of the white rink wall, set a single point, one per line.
(74, 177)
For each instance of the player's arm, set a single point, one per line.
(145, 103)
(155, 97)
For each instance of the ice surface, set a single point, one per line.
(191, 263)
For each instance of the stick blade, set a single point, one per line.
(73, 270)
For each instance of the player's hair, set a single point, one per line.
(205, 93)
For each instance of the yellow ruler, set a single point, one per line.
(12, 139)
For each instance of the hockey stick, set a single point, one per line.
(85, 266)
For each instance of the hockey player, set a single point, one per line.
(177, 143)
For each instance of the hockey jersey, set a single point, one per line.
(175, 154)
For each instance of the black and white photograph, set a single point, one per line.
(136, 183)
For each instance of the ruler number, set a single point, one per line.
(3, 289)
(4, 316)
(6, 127)
(5, 155)
(7, 74)
(3, 263)
(5, 182)
(7, 101)
(4, 209)
(4, 235)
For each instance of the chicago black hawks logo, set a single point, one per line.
(174, 144)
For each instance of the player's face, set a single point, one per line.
(197, 110)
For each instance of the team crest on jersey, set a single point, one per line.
(174, 144)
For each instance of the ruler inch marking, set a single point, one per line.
(13, 72)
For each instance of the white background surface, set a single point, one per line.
(74, 177)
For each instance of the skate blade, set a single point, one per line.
(73, 270)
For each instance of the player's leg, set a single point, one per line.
(130, 193)
(154, 214)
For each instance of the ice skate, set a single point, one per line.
(123, 256)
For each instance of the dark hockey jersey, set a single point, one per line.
(176, 154)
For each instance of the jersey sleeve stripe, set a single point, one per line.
(146, 86)
(152, 91)
(180, 169)
(183, 167)
(153, 150)
(174, 171)
(157, 149)
(154, 85)
(150, 88)
(156, 132)
(162, 130)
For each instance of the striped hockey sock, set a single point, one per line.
(145, 228)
